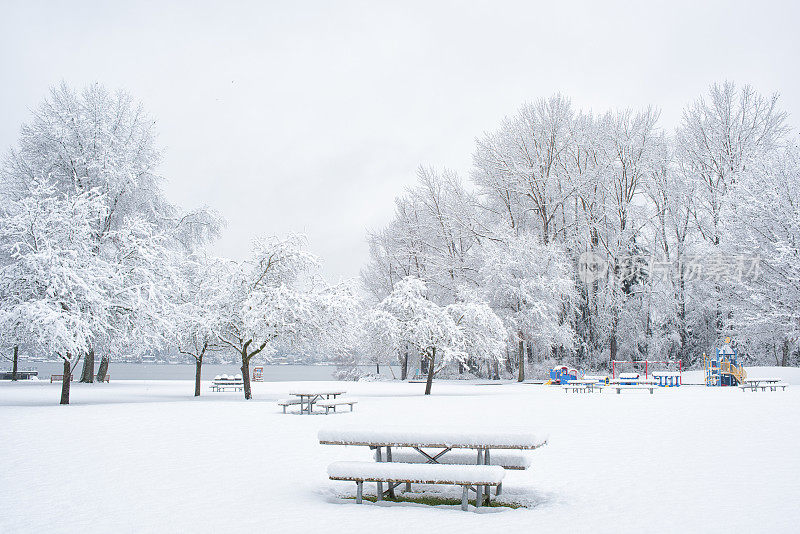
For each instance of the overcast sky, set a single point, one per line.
(312, 116)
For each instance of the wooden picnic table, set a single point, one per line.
(309, 397)
(416, 438)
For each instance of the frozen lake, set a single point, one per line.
(155, 371)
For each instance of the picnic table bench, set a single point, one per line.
(288, 402)
(221, 383)
(415, 440)
(620, 385)
(466, 476)
(53, 378)
(329, 404)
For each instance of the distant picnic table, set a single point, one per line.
(309, 397)
(443, 442)
(582, 386)
(754, 384)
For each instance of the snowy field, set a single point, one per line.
(138, 456)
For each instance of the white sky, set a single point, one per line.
(312, 116)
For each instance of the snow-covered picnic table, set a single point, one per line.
(582, 386)
(755, 383)
(309, 397)
(443, 440)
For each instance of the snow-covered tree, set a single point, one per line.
(54, 292)
(273, 297)
(410, 317)
(197, 296)
(484, 334)
(99, 143)
(762, 242)
(529, 284)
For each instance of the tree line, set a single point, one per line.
(576, 239)
(596, 237)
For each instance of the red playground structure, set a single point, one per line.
(617, 366)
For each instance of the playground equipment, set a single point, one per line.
(258, 374)
(675, 377)
(562, 375)
(667, 379)
(724, 369)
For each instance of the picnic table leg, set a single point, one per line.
(379, 458)
(359, 491)
(487, 461)
(464, 498)
(389, 459)
(479, 488)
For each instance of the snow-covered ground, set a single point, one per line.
(137, 456)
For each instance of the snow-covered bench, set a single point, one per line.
(620, 387)
(506, 460)
(288, 402)
(221, 383)
(333, 403)
(53, 378)
(465, 476)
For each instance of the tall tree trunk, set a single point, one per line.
(65, 381)
(87, 374)
(430, 371)
(785, 358)
(14, 363)
(404, 368)
(496, 370)
(246, 374)
(198, 366)
(521, 377)
(103, 369)
(613, 345)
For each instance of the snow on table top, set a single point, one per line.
(665, 373)
(420, 473)
(422, 436)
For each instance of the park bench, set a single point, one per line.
(288, 402)
(506, 460)
(221, 383)
(333, 403)
(53, 378)
(393, 473)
